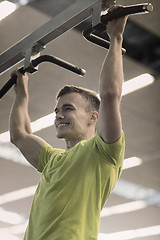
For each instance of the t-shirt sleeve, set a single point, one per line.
(112, 153)
(47, 153)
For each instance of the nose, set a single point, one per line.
(59, 115)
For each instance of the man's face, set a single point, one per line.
(72, 117)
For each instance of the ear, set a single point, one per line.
(94, 117)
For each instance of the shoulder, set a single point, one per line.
(47, 153)
(97, 140)
(114, 146)
(111, 153)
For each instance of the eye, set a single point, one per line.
(68, 109)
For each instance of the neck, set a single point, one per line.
(73, 142)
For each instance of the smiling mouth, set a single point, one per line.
(61, 125)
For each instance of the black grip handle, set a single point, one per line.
(10, 83)
(35, 63)
(127, 10)
(90, 34)
(59, 62)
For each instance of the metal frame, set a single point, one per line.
(34, 43)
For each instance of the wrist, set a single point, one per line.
(116, 38)
(116, 42)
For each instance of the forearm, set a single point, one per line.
(111, 77)
(109, 120)
(19, 118)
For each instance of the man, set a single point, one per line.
(75, 182)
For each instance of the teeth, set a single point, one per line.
(62, 124)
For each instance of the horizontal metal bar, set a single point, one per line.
(69, 18)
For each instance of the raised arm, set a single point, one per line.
(111, 78)
(20, 128)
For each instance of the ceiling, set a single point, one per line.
(135, 202)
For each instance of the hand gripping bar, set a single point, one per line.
(90, 34)
(35, 63)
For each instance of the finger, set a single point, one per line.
(114, 7)
(17, 73)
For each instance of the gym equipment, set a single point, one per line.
(30, 47)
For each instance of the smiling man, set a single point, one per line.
(76, 182)
(76, 114)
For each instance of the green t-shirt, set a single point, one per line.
(74, 186)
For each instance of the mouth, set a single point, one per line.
(62, 125)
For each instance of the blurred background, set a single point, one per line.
(133, 209)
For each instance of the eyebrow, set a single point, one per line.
(64, 105)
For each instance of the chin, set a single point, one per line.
(61, 135)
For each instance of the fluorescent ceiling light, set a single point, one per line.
(7, 236)
(123, 208)
(10, 217)
(17, 195)
(24, 2)
(131, 234)
(5, 137)
(11, 231)
(131, 162)
(43, 122)
(134, 191)
(137, 83)
(6, 8)
(9, 152)
(36, 126)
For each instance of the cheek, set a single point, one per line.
(83, 122)
(80, 120)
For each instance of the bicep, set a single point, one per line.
(30, 146)
(109, 124)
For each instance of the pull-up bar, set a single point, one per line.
(61, 23)
(34, 43)
(90, 31)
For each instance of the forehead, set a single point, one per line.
(75, 99)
